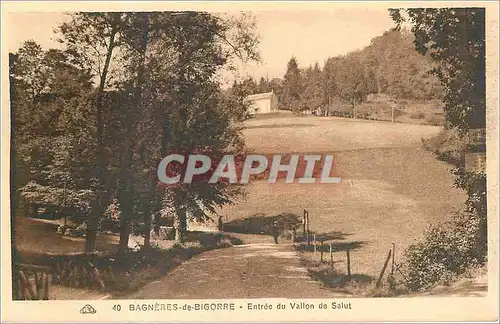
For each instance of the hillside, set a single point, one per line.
(391, 189)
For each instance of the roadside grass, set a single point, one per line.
(34, 236)
(336, 279)
(473, 283)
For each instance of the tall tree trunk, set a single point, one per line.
(177, 226)
(133, 132)
(124, 233)
(183, 221)
(125, 200)
(179, 218)
(151, 211)
(141, 106)
(101, 196)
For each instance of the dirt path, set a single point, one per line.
(260, 270)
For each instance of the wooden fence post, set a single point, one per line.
(38, 284)
(322, 245)
(22, 289)
(379, 281)
(314, 245)
(15, 285)
(348, 263)
(393, 254)
(46, 286)
(307, 228)
(27, 286)
(304, 222)
(331, 256)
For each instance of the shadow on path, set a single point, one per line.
(262, 224)
(336, 247)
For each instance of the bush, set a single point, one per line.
(448, 146)
(446, 251)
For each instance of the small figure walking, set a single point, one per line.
(220, 224)
(294, 234)
(275, 232)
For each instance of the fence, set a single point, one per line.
(79, 270)
(31, 282)
(326, 253)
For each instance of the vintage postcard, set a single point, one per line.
(249, 161)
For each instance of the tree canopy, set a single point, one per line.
(95, 118)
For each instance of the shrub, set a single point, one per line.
(445, 252)
(448, 146)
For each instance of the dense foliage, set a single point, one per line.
(455, 39)
(448, 250)
(93, 120)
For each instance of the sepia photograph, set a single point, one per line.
(291, 159)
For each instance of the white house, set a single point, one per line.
(263, 103)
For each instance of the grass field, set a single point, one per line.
(32, 235)
(391, 188)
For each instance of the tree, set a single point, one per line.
(151, 55)
(50, 102)
(200, 117)
(171, 60)
(264, 85)
(312, 98)
(329, 80)
(248, 87)
(352, 83)
(276, 85)
(94, 37)
(156, 88)
(455, 39)
(292, 86)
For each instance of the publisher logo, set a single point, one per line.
(87, 309)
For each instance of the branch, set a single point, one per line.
(236, 50)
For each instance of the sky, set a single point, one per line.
(309, 35)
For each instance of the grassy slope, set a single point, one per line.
(391, 187)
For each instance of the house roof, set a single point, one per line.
(257, 96)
